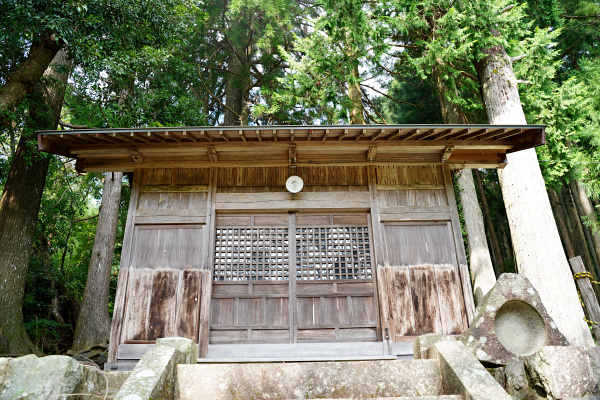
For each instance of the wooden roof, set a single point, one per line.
(125, 149)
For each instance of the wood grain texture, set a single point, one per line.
(118, 314)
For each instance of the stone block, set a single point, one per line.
(310, 380)
(562, 371)
(463, 373)
(30, 377)
(424, 342)
(154, 376)
(511, 323)
(186, 346)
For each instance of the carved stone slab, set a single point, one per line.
(511, 323)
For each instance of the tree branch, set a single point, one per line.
(388, 96)
(68, 125)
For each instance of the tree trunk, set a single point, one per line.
(93, 325)
(560, 221)
(587, 241)
(590, 215)
(480, 261)
(579, 241)
(355, 96)
(23, 81)
(496, 250)
(237, 95)
(482, 270)
(536, 242)
(19, 208)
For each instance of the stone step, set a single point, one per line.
(441, 397)
(309, 380)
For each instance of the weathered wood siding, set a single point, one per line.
(421, 262)
(417, 283)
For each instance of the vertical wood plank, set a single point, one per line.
(592, 309)
(460, 249)
(135, 324)
(188, 304)
(424, 299)
(163, 305)
(402, 318)
(128, 238)
(118, 315)
(450, 300)
(384, 299)
(206, 292)
(294, 306)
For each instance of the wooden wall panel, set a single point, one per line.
(175, 176)
(276, 176)
(412, 197)
(419, 243)
(169, 247)
(421, 299)
(410, 175)
(161, 303)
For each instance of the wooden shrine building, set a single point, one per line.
(366, 256)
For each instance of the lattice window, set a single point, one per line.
(333, 253)
(251, 254)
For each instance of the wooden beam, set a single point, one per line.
(171, 135)
(275, 134)
(343, 135)
(122, 137)
(71, 138)
(212, 155)
(258, 135)
(293, 159)
(107, 138)
(89, 138)
(400, 131)
(363, 133)
(189, 135)
(325, 135)
(136, 155)
(412, 135)
(205, 136)
(371, 153)
(137, 136)
(432, 133)
(379, 134)
(155, 136)
(241, 132)
(447, 153)
(223, 135)
(310, 133)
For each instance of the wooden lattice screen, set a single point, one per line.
(333, 253)
(251, 254)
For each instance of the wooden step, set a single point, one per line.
(309, 380)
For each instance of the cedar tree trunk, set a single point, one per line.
(355, 96)
(23, 81)
(588, 212)
(480, 262)
(20, 204)
(93, 324)
(536, 242)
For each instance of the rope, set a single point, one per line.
(588, 275)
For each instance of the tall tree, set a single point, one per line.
(20, 203)
(535, 238)
(93, 324)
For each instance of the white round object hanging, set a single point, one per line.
(294, 184)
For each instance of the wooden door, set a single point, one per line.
(293, 278)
